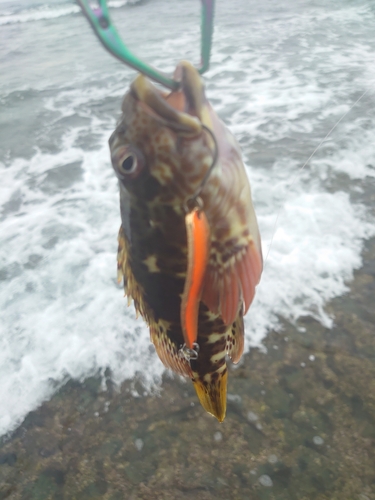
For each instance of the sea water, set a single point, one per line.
(282, 75)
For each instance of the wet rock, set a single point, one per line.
(8, 459)
(310, 430)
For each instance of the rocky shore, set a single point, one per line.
(300, 425)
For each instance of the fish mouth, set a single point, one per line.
(182, 110)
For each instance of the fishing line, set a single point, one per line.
(195, 200)
(214, 160)
(282, 209)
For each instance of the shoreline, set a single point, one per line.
(300, 424)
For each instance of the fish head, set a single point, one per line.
(161, 149)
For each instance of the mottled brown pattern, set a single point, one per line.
(171, 153)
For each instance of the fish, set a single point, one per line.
(189, 248)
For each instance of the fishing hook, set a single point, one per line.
(189, 354)
(101, 23)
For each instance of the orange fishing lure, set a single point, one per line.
(198, 237)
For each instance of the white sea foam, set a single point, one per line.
(63, 315)
(38, 14)
(46, 12)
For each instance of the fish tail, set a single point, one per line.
(212, 393)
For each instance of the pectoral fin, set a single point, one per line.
(226, 287)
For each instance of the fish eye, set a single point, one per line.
(129, 164)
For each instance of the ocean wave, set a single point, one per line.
(48, 12)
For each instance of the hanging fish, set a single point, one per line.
(189, 246)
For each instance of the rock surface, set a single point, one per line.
(300, 425)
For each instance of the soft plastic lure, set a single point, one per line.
(198, 237)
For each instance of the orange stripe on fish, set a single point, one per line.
(198, 239)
